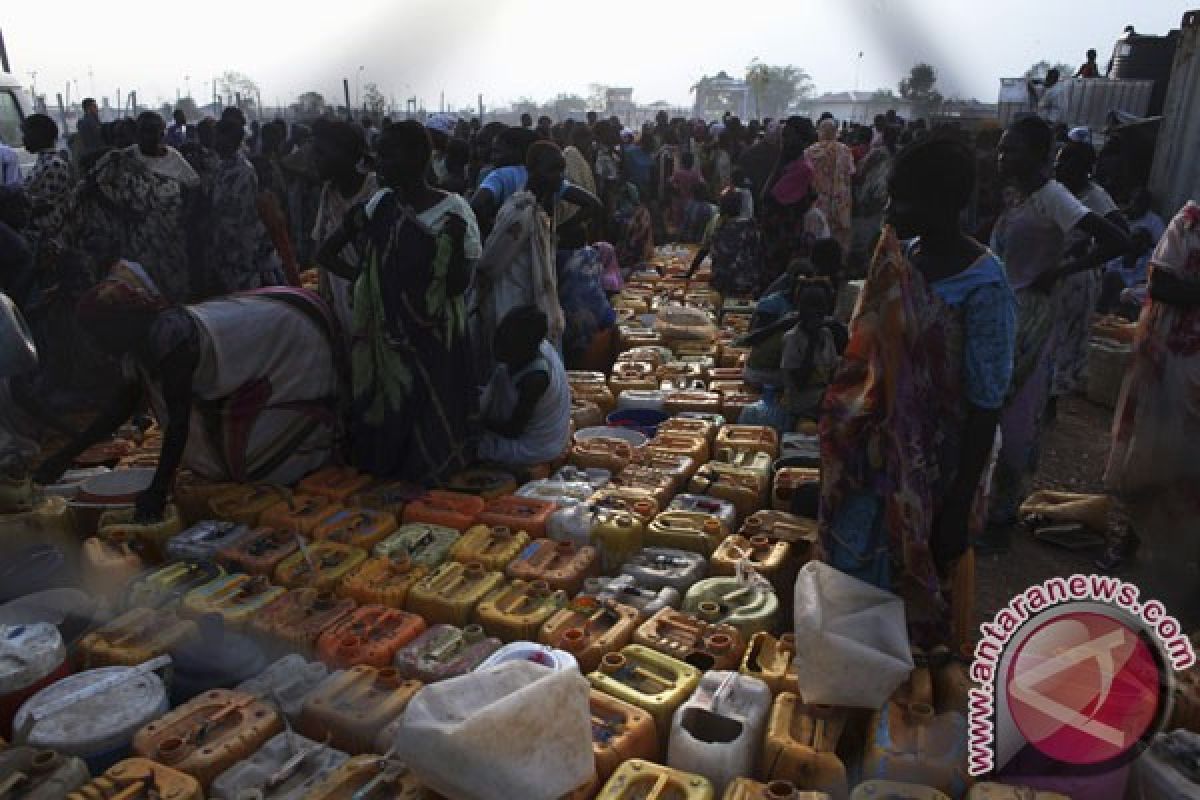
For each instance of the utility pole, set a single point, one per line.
(481, 108)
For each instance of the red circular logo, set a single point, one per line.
(1084, 688)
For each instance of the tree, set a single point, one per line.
(1038, 71)
(309, 103)
(918, 87)
(373, 99)
(233, 84)
(774, 88)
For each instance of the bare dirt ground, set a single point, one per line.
(1074, 455)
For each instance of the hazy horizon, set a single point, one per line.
(521, 48)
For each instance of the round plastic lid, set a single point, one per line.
(97, 724)
(28, 653)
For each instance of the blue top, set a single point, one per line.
(989, 328)
(504, 182)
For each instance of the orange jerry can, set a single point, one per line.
(515, 612)
(355, 526)
(588, 628)
(585, 414)
(335, 483)
(302, 513)
(654, 356)
(723, 374)
(192, 494)
(801, 746)
(642, 780)
(692, 400)
(383, 581)
(245, 503)
(692, 445)
(578, 377)
(236, 597)
(747, 789)
(494, 546)
(632, 375)
(679, 466)
(772, 661)
(294, 622)
(369, 635)
(602, 452)
(527, 514)
(450, 593)
(780, 526)
(620, 731)
(562, 565)
(659, 485)
(693, 531)
(426, 545)
(108, 566)
(790, 480)
(448, 509)
(747, 439)
(600, 394)
(745, 488)
(482, 481)
(259, 552)
(321, 565)
(134, 638)
(702, 644)
(391, 497)
(696, 427)
(655, 683)
(209, 733)
(351, 706)
(140, 779)
(637, 502)
(368, 776)
(770, 559)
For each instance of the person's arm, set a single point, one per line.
(529, 391)
(122, 406)
(1167, 287)
(701, 254)
(458, 271)
(979, 436)
(1108, 242)
(578, 196)
(483, 203)
(176, 378)
(329, 254)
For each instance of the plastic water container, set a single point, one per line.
(202, 541)
(703, 504)
(148, 539)
(770, 559)
(321, 565)
(107, 567)
(383, 581)
(795, 487)
(617, 536)
(620, 732)
(490, 545)
(624, 589)
(335, 482)
(895, 790)
(450, 593)
(69, 610)
(734, 439)
(301, 513)
(137, 775)
(525, 514)
(562, 565)
(801, 746)
(368, 776)
(692, 639)
(998, 791)
(287, 767)
(588, 628)
(532, 652)
(745, 488)
(94, 714)
(35, 568)
(215, 659)
(260, 551)
(40, 774)
(32, 657)
(655, 683)
(772, 661)
(191, 494)
(351, 706)
(165, 586)
(516, 611)
(636, 779)
(749, 608)
(445, 651)
(287, 681)
(653, 355)
(209, 734)
(448, 509)
(596, 477)
(717, 732)
(369, 635)
(136, 636)
(780, 526)
(646, 399)
(659, 485)
(656, 567)
(682, 425)
(426, 544)
(294, 622)
(602, 452)
(911, 744)
(245, 503)
(632, 375)
(390, 496)
(643, 420)
(638, 502)
(561, 493)
(692, 531)
(358, 527)
(237, 598)
(485, 482)
(747, 789)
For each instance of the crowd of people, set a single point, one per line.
(462, 267)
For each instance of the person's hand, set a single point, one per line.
(51, 470)
(1044, 283)
(150, 506)
(949, 540)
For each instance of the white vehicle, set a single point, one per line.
(15, 105)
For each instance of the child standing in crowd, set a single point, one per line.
(736, 249)
(526, 407)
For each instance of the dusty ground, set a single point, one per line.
(1073, 459)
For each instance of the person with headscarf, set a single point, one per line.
(734, 243)
(244, 387)
(526, 405)
(833, 175)
(870, 195)
(632, 220)
(788, 227)
(413, 389)
(686, 181)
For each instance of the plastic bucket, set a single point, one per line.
(643, 420)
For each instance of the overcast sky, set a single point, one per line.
(507, 49)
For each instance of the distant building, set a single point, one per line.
(719, 95)
(618, 102)
(858, 107)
